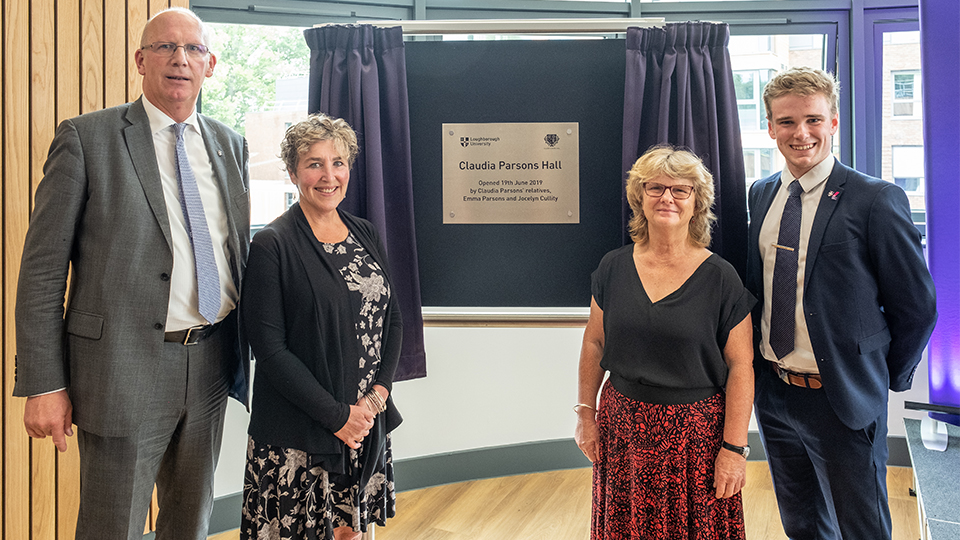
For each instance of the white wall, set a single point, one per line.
(488, 386)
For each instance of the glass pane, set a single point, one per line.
(903, 109)
(744, 82)
(903, 86)
(902, 118)
(750, 163)
(259, 89)
(749, 117)
(766, 162)
(908, 168)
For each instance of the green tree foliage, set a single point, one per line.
(250, 59)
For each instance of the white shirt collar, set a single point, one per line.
(160, 121)
(820, 172)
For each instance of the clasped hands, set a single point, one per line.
(360, 421)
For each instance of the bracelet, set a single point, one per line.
(372, 404)
(576, 408)
(376, 401)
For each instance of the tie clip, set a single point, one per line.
(778, 246)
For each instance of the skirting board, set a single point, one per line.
(480, 463)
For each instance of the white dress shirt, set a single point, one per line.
(182, 310)
(802, 359)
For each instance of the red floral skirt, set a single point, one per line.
(653, 478)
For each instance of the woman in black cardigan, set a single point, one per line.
(325, 328)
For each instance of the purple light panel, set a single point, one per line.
(940, 60)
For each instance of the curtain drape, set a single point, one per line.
(679, 90)
(940, 65)
(358, 73)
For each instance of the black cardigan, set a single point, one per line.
(300, 321)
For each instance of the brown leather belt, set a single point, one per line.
(191, 336)
(803, 380)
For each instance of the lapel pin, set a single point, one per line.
(220, 153)
(835, 194)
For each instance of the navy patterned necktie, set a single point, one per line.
(784, 300)
(208, 279)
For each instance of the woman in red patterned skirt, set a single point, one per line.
(670, 321)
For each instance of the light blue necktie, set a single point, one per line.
(783, 306)
(208, 279)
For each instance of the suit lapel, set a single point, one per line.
(759, 210)
(828, 203)
(139, 140)
(215, 152)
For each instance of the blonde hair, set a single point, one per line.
(666, 160)
(317, 127)
(803, 81)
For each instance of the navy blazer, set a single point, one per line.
(868, 300)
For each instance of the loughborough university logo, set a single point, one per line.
(464, 141)
(551, 139)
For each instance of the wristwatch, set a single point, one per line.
(742, 450)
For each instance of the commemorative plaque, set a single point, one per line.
(511, 173)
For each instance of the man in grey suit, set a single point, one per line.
(145, 207)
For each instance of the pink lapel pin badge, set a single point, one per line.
(834, 194)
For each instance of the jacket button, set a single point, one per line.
(158, 326)
(164, 277)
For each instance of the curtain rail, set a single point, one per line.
(519, 26)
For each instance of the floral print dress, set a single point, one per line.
(288, 497)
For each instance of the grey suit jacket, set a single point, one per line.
(100, 212)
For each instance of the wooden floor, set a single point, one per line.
(556, 506)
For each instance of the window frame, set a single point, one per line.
(916, 100)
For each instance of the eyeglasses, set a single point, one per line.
(166, 48)
(678, 191)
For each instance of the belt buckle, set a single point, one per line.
(191, 337)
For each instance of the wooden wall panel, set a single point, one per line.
(42, 125)
(4, 328)
(91, 56)
(60, 58)
(16, 187)
(67, 105)
(137, 11)
(115, 49)
(69, 46)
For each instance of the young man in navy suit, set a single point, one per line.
(846, 308)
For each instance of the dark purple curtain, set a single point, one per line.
(358, 73)
(940, 64)
(679, 90)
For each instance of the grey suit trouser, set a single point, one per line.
(176, 446)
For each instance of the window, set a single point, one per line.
(755, 60)
(906, 94)
(812, 41)
(749, 87)
(758, 163)
(741, 45)
(260, 89)
(908, 168)
(901, 121)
